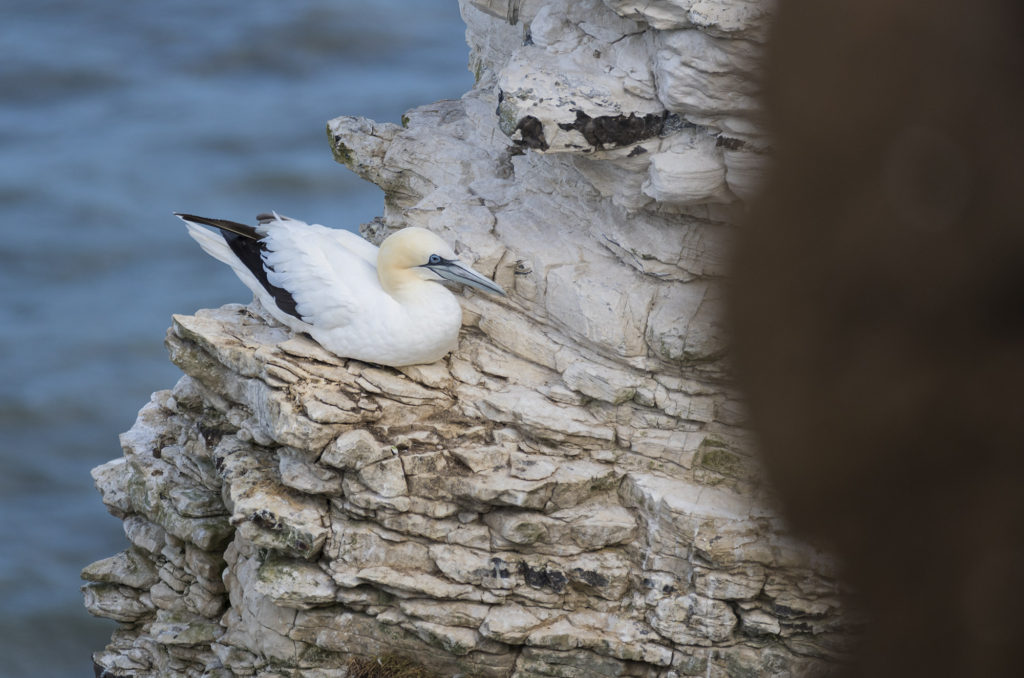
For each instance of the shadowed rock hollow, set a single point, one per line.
(572, 492)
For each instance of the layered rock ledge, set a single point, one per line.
(572, 492)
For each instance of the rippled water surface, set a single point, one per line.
(113, 115)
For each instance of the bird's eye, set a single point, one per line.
(434, 259)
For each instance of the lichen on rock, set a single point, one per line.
(572, 491)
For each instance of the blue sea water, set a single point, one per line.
(113, 115)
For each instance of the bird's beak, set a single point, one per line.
(456, 272)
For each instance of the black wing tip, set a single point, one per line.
(225, 226)
(202, 221)
(196, 219)
(261, 218)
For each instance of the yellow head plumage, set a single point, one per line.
(414, 256)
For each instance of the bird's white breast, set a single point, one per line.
(415, 331)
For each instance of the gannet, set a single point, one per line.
(383, 306)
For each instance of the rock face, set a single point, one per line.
(572, 492)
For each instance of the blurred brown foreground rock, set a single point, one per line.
(879, 308)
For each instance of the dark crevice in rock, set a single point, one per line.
(543, 577)
(729, 143)
(616, 130)
(531, 133)
(590, 578)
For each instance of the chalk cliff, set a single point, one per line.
(572, 492)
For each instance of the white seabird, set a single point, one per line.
(383, 306)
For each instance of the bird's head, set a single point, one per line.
(415, 254)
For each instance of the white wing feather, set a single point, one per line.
(215, 245)
(356, 244)
(331, 274)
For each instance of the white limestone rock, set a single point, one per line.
(613, 312)
(476, 567)
(457, 640)
(353, 450)
(693, 620)
(385, 477)
(172, 629)
(111, 481)
(484, 458)
(742, 583)
(623, 639)
(744, 170)
(359, 496)
(361, 144)
(532, 410)
(128, 568)
(448, 613)
(718, 17)
(205, 566)
(264, 511)
(120, 603)
(587, 527)
(512, 623)
(683, 326)
(299, 472)
(759, 623)
(468, 533)
(688, 171)
(144, 534)
(294, 583)
(253, 622)
(601, 382)
(355, 545)
(419, 585)
(704, 77)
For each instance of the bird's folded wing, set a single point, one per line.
(356, 244)
(332, 285)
